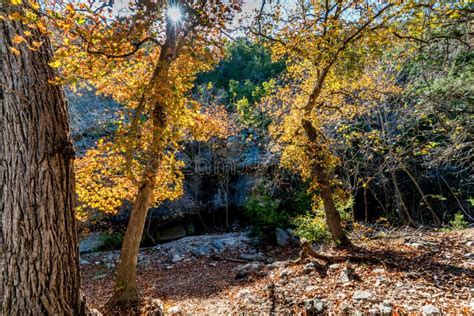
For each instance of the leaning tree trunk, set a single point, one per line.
(333, 219)
(126, 287)
(41, 267)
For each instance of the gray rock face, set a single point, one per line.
(282, 237)
(430, 310)
(171, 233)
(205, 244)
(91, 243)
(362, 295)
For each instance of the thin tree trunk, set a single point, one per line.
(333, 219)
(399, 199)
(366, 211)
(435, 216)
(41, 267)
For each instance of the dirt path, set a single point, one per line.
(427, 273)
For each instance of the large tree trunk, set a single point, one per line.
(41, 268)
(333, 219)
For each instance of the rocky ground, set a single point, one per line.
(414, 272)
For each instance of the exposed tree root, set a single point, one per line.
(307, 251)
(220, 258)
(124, 298)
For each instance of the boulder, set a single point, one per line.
(252, 268)
(362, 295)
(347, 275)
(176, 259)
(203, 250)
(385, 310)
(282, 237)
(469, 256)
(220, 246)
(174, 311)
(334, 266)
(380, 280)
(83, 262)
(430, 310)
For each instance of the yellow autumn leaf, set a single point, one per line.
(15, 51)
(15, 2)
(35, 5)
(14, 16)
(18, 39)
(36, 44)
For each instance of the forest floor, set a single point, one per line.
(418, 272)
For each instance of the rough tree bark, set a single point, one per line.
(321, 176)
(41, 267)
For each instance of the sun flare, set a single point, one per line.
(174, 13)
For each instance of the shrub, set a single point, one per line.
(458, 222)
(111, 240)
(263, 212)
(311, 227)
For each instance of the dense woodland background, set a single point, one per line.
(407, 161)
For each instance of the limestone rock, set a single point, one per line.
(174, 311)
(430, 310)
(362, 295)
(282, 237)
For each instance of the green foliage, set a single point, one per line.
(263, 211)
(248, 64)
(458, 222)
(246, 75)
(111, 240)
(267, 211)
(311, 227)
